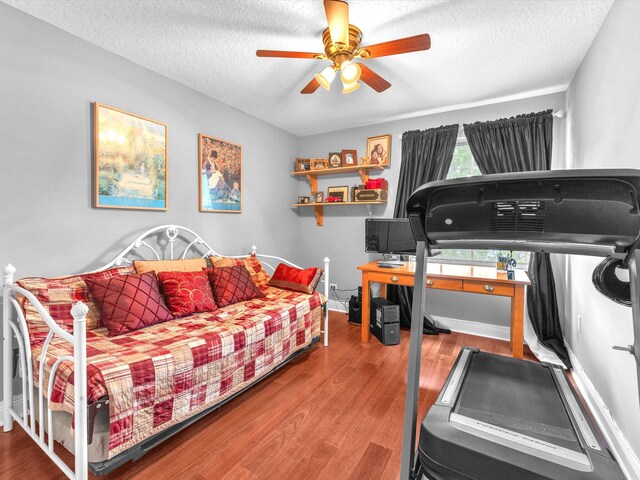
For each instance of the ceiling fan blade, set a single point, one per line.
(338, 18)
(285, 54)
(372, 79)
(311, 87)
(402, 45)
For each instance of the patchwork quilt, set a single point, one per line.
(163, 374)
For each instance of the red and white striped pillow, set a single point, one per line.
(57, 295)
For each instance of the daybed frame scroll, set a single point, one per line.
(33, 422)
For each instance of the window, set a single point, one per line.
(464, 165)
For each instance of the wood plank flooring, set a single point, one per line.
(334, 413)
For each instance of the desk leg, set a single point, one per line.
(365, 334)
(517, 322)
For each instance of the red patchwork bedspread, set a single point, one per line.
(161, 375)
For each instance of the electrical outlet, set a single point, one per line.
(333, 286)
(579, 323)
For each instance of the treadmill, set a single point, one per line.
(498, 417)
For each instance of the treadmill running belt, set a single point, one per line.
(518, 396)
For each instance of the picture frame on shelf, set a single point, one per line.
(318, 197)
(342, 192)
(379, 150)
(319, 164)
(303, 164)
(364, 161)
(335, 159)
(130, 160)
(349, 158)
(303, 199)
(219, 175)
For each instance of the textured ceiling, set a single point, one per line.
(481, 50)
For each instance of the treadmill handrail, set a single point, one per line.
(530, 246)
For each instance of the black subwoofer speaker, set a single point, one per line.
(355, 308)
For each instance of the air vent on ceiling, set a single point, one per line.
(518, 216)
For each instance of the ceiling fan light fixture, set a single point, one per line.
(350, 87)
(325, 77)
(350, 72)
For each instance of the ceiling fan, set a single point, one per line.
(342, 46)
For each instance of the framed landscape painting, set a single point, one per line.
(130, 160)
(219, 175)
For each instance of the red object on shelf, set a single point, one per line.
(377, 184)
(333, 199)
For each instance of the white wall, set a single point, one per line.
(603, 127)
(48, 80)
(342, 236)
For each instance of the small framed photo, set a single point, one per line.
(379, 150)
(340, 192)
(302, 199)
(319, 163)
(349, 158)
(318, 197)
(335, 160)
(303, 164)
(364, 160)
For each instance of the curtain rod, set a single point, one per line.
(554, 113)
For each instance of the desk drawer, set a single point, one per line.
(488, 288)
(444, 283)
(392, 278)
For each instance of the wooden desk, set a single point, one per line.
(447, 276)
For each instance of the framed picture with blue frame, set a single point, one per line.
(130, 160)
(219, 175)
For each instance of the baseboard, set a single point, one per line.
(487, 330)
(336, 306)
(618, 443)
(17, 406)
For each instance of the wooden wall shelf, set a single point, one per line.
(312, 178)
(339, 170)
(377, 202)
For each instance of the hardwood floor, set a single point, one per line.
(334, 413)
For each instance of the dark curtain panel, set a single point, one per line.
(516, 144)
(521, 144)
(426, 156)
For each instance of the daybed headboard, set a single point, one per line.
(160, 241)
(168, 242)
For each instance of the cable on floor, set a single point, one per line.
(344, 303)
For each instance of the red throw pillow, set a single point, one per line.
(291, 278)
(187, 292)
(232, 285)
(129, 302)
